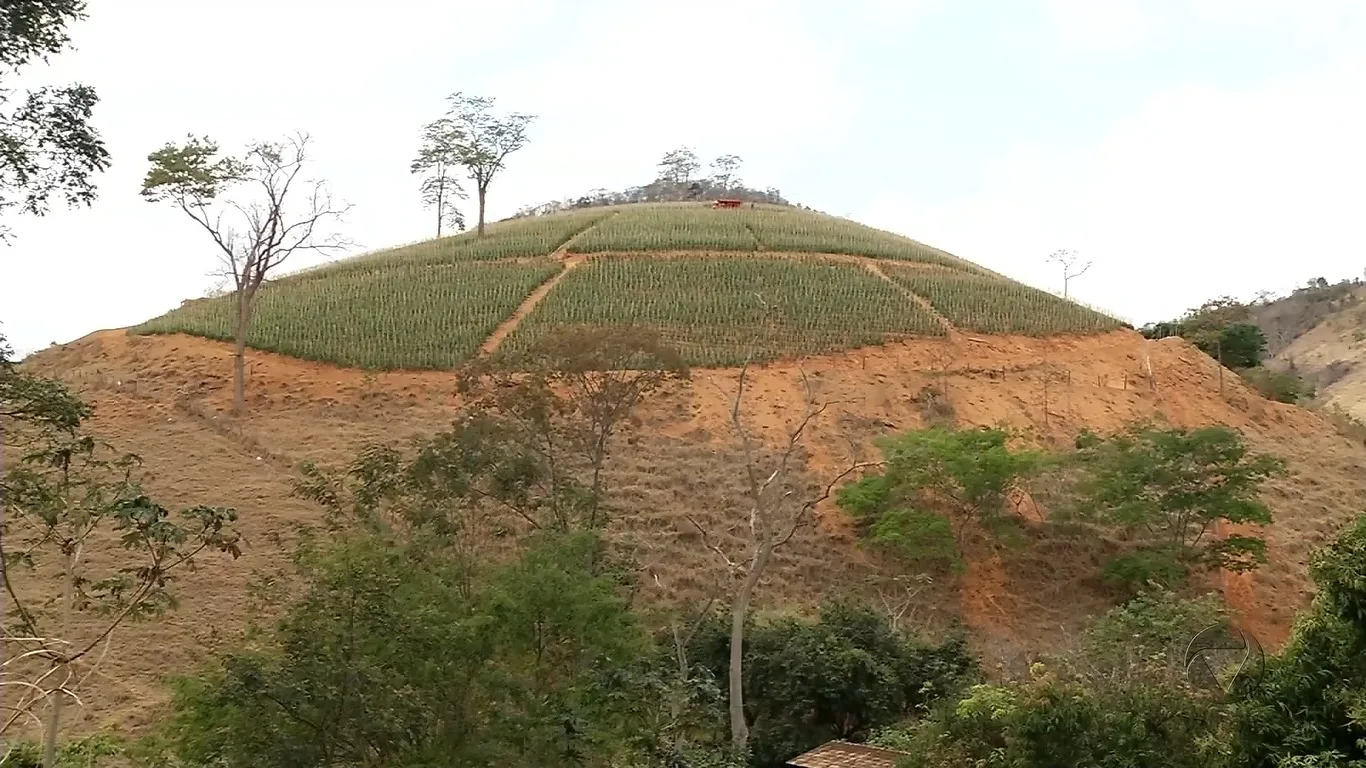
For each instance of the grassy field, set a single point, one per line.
(721, 311)
(796, 230)
(669, 227)
(515, 239)
(990, 305)
(410, 316)
(431, 305)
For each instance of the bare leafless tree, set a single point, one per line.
(1067, 259)
(897, 596)
(773, 519)
(257, 211)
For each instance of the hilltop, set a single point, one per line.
(760, 282)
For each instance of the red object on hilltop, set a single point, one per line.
(726, 204)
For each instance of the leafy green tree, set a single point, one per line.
(1221, 329)
(935, 483)
(62, 494)
(1239, 345)
(478, 140)
(47, 145)
(839, 677)
(1309, 706)
(255, 209)
(384, 660)
(1170, 488)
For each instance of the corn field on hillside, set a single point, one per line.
(724, 285)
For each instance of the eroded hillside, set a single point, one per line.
(166, 398)
(1331, 352)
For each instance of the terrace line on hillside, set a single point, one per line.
(724, 285)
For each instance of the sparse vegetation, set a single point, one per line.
(1281, 386)
(67, 493)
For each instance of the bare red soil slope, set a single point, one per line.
(166, 398)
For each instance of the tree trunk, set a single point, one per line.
(53, 723)
(56, 699)
(739, 611)
(440, 198)
(483, 193)
(239, 356)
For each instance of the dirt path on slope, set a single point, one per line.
(528, 304)
(872, 266)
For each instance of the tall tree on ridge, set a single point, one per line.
(434, 161)
(254, 231)
(723, 170)
(479, 140)
(679, 165)
(47, 145)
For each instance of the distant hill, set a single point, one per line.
(758, 282)
(1319, 331)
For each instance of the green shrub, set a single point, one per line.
(1169, 488)
(1142, 567)
(1281, 386)
(936, 482)
(838, 677)
(1057, 720)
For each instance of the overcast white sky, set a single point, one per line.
(1190, 147)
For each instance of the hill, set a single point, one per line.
(1319, 332)
(724, 285)
(895, 334)
(166, 398)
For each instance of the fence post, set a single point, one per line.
(1219, 356)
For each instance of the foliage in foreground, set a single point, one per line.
(390, 657)
(1309, 709)
(49, 147)
(1058, 719)
(838, 677)
(387, 660)
(61, 491)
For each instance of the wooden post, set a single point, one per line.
(1219, 356)
(1045, 397)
